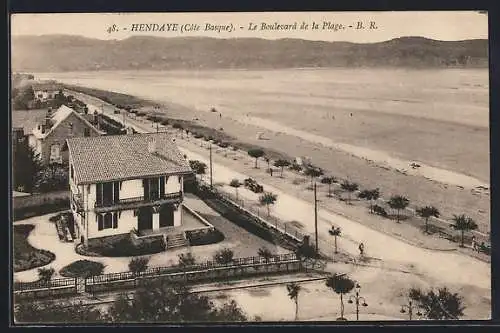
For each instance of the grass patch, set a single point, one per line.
(26, 256)
(82, 268)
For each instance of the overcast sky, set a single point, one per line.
(444, 25)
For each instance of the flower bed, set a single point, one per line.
(26, 256)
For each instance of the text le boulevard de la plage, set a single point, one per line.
(251, 26)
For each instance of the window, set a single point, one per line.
(55, 153)
(107, 221)
(86, 132)
(70, 128)
(107, 193)
(72, 172)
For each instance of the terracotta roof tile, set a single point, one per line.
(115, 157)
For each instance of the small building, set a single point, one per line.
(122, 183)
(48, 138)
(46, 91)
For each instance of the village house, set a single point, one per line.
(46, 91)
(49, 137)
(125, 183)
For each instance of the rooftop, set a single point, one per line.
(27, 119)
(121, 157)
(57, 117)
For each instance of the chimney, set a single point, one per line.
(129, 130)
(152, 145)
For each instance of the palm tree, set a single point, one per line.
(349, 188)
(281, 164)
(370, 195)
(427, 212)
(340, 284)
(398, 202)
(235, 183)
(268, 199)
(293, 292)
(463, 223)
(336, 233)
(313, 173)
(256, 153)
(328, 180)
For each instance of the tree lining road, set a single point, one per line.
(440, 266)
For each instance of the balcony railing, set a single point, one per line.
(139, 201)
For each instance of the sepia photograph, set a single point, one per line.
(211, 167)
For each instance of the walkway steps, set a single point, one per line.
(176, 240)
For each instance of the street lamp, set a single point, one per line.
(409, 308)
(356, 299)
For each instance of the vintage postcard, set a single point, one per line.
(242, 167)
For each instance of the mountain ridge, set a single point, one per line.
(77, 53)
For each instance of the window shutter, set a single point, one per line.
(162, 186)
(115, 220)
(116, 189)
(99, 222)
(99, 193)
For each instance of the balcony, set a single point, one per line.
(137, 202)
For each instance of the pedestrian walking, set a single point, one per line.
(271, 171)
(474, 244)
(361, 249)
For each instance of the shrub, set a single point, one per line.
(26, 256)
(224, 256)
(205, 238)
(138, 264)
(124, 247)
(379, 210)
(198, 136)
(83, 269)
(177, 126)
(164, 122)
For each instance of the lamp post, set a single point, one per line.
(356, 299)
(316, 219)
(409, 308)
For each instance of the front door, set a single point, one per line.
(145, 218)
(166, 216)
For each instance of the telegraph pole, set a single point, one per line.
(316, 218)
(211, 181)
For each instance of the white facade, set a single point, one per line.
(88, 226)
(45, 95)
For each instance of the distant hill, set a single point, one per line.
(74, 53)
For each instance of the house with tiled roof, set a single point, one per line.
(46, 91)
(48, 137)
(125, 183)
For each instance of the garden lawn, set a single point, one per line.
(26, 256)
